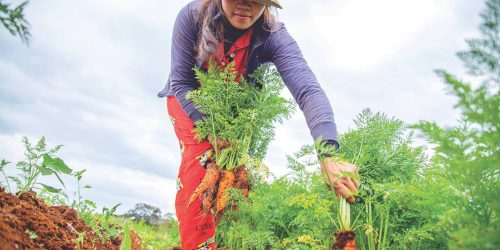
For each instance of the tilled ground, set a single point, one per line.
(50, 227)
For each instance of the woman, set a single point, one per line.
(246, 33)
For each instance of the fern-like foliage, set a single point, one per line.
(240, 112)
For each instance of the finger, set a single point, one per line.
(356, 183)
(352, 190)
(343, 191)
(329, 180)
(351, 200)
(350, 185)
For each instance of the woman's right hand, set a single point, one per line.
(343, 185)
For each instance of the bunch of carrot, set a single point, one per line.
(215, 185)
(243, 114)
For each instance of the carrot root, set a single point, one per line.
(345, 241)
(226, 182)
(209, 180)
(208, 201)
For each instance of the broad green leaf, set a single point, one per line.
(44, 170)
(56, 163)
(50, 189)
(90, 203)
(113, 209)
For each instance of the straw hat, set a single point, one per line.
(274, 3)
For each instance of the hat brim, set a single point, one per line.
(269, 2)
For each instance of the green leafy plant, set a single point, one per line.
(32, 235)
(4, 163)
(126, 241)
(164, 235)
(298, 204)
(80, 239)
(39, 161)
(109, 230)
(101, 224)
(239, 112)
(465, 167)
(243, 114)
(80, 204)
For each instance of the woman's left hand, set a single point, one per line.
(333, 173)
(220, 143)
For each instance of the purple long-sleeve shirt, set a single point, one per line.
(277, 47)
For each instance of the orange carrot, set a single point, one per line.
(245, 189)
(350, 245)
(210, 179)
(226, 182)
(241, 176)
(208, 201)
(242, 181)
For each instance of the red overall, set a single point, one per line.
(196, 229)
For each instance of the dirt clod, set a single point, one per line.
(344, 241)
(28, 223)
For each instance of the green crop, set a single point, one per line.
(296, 211)
(39, 161)
(242, 113)
(460, 189)
(42, 161)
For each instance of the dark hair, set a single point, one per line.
(211, 33)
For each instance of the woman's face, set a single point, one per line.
(242, 14)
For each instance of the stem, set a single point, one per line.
(30, 177)
(31, 181)
(344, 215)
(355, 221)
(384, 241)
(79, 196)
(7, 180)
(215, 138)
(380, 232)
(359, 152)
(371, 243)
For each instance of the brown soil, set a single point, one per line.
(51, 227)
(345, 241)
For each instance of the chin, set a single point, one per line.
(241, 25)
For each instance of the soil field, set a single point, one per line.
(26, 222)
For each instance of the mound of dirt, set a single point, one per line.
(28, 223)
